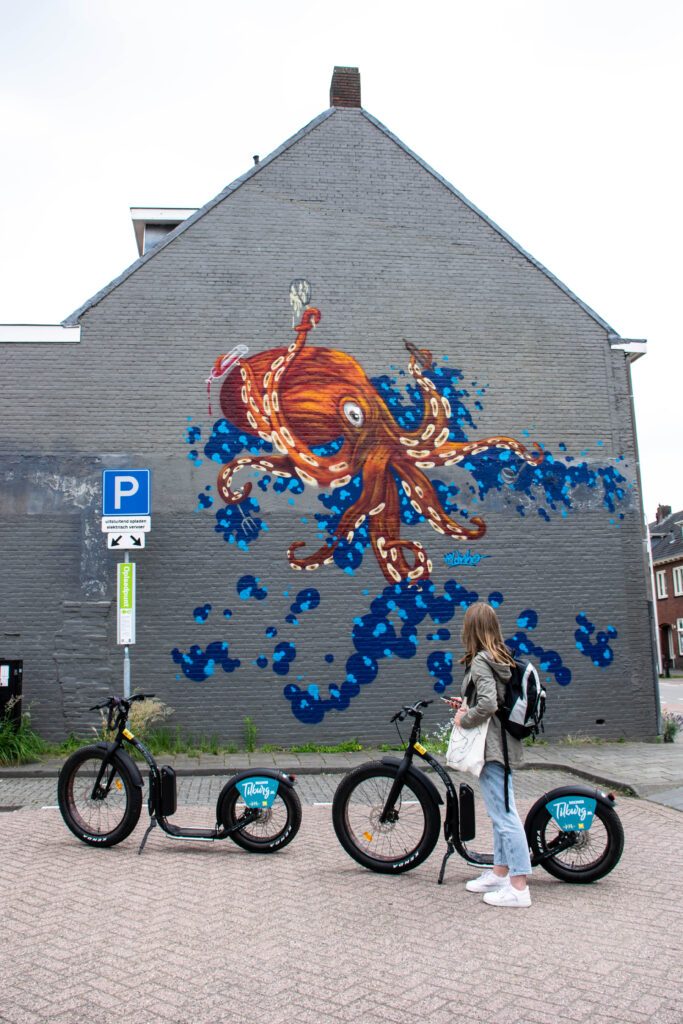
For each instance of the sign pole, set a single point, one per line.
(126, 660)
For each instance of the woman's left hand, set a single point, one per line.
(460, 714)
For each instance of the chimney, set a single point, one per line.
(663, 512)
(345, 88)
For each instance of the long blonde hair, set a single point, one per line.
(481, 632)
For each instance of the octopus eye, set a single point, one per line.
(353, 413)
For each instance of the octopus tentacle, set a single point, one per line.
(435, 428)
(312, 470)
(256, 414)
(278, 465)
(455, 452)
(385, 529)
(422, 496)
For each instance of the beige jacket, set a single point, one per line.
(488, 677)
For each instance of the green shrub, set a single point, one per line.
(19, 744)
(671, 725)
(250, 734)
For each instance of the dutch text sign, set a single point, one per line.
(125, 599)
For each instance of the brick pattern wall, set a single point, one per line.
(390, 253)
(669, 613)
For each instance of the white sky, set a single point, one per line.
(561, 119)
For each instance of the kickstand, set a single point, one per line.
(152, 823)
(449, 850)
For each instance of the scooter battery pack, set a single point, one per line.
(169, 801)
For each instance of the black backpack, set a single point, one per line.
(522, 711)
(524, 706)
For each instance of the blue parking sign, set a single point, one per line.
(126, 492)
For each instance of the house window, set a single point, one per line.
(679, 626)
(661, 583)
(678, 581)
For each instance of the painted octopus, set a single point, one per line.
(297, 398)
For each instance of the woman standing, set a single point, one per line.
(487, 668)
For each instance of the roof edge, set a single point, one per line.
(508, 238)
(72, 319)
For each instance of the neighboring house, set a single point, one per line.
(405, 413)
(666, 539)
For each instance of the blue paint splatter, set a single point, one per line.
(283, 656)
(205, 501)
(201, 614)
(389, 630)
(240, 524)
(271, 631)
(440, 634)
(598, 649)
(528, 619)
(329, 658)
(495, 599)
(248, 587)
(227, 612)
(262, 661)
(306, 600)
(440, 665)
(198, 665)
(550, 661)
(226, 442)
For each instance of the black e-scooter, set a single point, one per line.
(386, 815)
(100, 795)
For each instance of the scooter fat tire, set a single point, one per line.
(392, 847)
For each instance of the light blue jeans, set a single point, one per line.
(510, 847)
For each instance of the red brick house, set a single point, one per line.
(666, 539)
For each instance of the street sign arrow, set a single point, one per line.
(125, 541)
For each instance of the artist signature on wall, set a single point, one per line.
(463, 558)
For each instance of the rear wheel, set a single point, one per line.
(399, 844)
(592, 855)
(102, 817)
(272, 829)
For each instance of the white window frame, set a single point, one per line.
(660, 577)
(678, 580)
(679, 627)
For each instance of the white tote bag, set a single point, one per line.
(466, 748)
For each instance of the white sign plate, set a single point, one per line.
(125, 541)
(126, 524)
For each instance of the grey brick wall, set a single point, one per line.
(390, 253)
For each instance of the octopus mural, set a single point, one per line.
(299, 398)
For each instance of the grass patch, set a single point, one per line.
(325, 748)
(19, 743)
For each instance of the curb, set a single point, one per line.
(627, 789)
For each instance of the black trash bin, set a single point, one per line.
(11, 675)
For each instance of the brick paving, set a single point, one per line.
(210, 933)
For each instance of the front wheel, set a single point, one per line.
(102, 817)
(592, 855)
(398, 844)
(273, 827)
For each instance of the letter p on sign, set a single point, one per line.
(126, 492)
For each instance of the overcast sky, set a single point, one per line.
(561, 119)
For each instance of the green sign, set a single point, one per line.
(125, 595)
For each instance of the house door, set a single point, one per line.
(666, 646)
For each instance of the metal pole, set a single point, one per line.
(126, 660)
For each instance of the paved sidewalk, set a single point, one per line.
(210, 934)
(653, 771)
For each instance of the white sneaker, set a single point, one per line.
(508, 896)
(487, 882)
